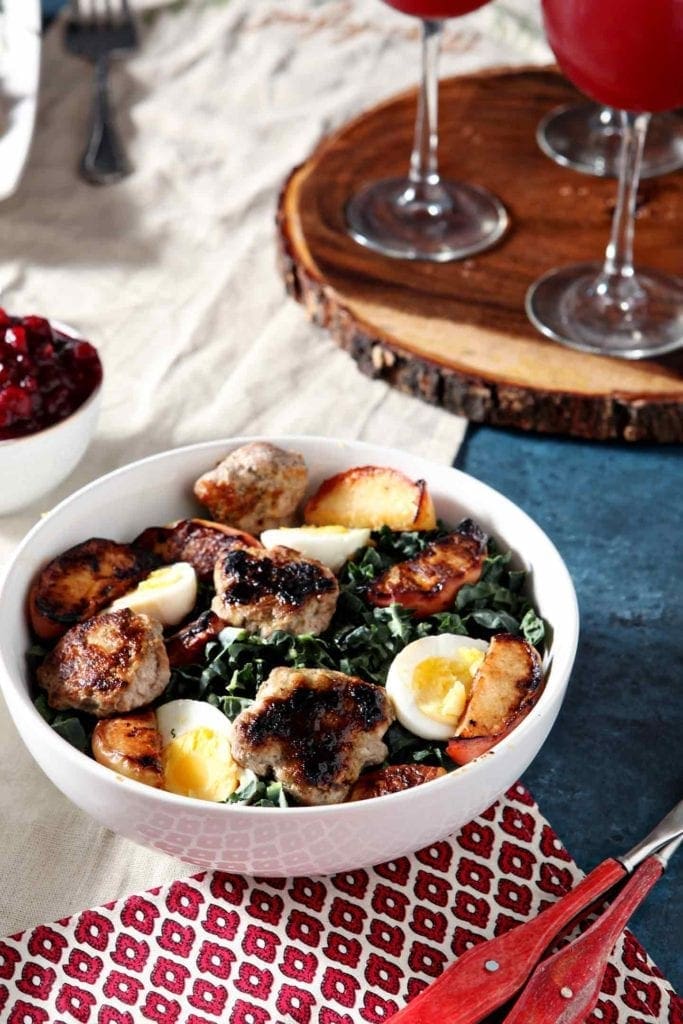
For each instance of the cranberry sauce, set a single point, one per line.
(44, 375)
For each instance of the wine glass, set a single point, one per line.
(587, 137)
(422, 216)
(625, 54)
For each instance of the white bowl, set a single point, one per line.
(20, 41)
(31, 466)
(302, 840)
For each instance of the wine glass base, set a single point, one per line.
(575, 137)
(564, 305)
(467, 220)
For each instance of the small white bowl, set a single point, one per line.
(300, 840)
(31, 466)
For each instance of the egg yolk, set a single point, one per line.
(200, 764)
(323, 529)
(441, 686)
(160, 578)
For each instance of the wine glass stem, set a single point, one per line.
(425, 186)
(617, 280)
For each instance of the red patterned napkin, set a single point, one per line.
(340, 950)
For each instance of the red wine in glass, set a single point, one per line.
(587, 137)
(625, 54)
(436, 8)
(423, 216)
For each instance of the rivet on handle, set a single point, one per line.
(491, 966)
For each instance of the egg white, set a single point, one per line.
(168, 594)
(181, 716)
(331, 545)
(195, 738)
(399, 681)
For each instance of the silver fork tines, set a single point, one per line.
(97, 30)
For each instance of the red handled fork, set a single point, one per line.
(565, 987)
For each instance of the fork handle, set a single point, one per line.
(104, 160)
(565, 988)
(489, 974)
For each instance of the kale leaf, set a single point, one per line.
(361, 640)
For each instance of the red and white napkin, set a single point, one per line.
(340, 950)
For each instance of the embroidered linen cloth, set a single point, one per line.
(352, 947)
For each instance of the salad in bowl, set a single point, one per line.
(319, 654)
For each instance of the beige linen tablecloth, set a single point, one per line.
(172, 275)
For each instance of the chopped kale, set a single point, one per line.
(258, 793)
(361, 640)
(74, 727)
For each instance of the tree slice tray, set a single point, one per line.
(456, 334)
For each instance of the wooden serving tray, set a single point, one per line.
(455, 334)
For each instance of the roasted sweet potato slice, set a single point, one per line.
(372, 496)
(131, 746)
(429, 582)
(197, 541)
(504, 690)
(187, 645)
(81, 582)
(392, 779)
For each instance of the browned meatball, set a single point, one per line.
(107, 665)
(256, 487)
(263, 591)
(315, 730)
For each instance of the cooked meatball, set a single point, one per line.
(314, 730)
(263, 591)
(256, 487)
(108, 665)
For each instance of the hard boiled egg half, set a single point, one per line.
(331, 545)
(196, 752)
(167, 594)
(430, 680)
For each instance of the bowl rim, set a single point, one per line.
(8, 442)
(85, 765)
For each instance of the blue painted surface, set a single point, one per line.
(52, 6)
(612, 766)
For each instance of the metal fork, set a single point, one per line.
(97, 31)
